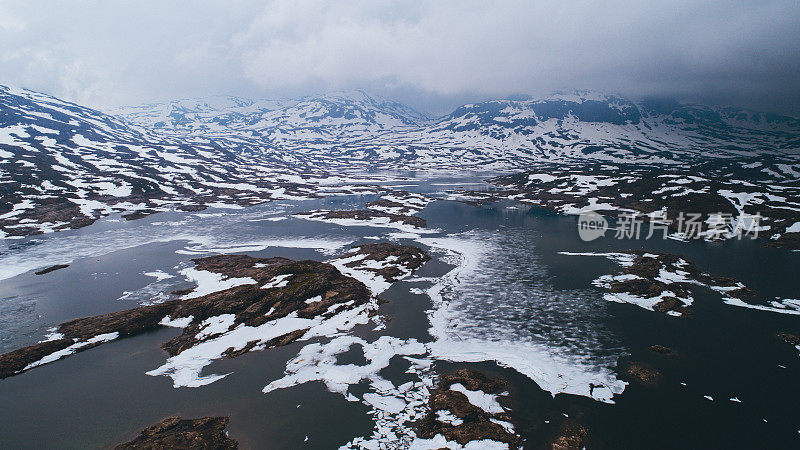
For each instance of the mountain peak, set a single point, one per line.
(353, 95)
(581, 95)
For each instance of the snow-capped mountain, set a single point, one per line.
(330, 117)
(521, 115)
(583, 125)
(197, 115)
(354, 128)
(63, 165)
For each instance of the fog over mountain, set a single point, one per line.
(433, 56)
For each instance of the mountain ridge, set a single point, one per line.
(63, 165)
(539, 127)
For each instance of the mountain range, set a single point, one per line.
(63, 165)
(517, 130)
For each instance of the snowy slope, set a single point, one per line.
(330, 117)
(582, 126)
(197, 115)
(63, 165)
(354, 129)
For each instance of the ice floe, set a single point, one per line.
(391, 406)
(465, 330)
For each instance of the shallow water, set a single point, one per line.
(516, 302)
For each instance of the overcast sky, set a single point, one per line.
(433, 55)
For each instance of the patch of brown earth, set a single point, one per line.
(789, 338)
(390, 204)
(192, 208)
(406, 256)
(182, 291)
(141, 214)
(661, 350)
(643, 373)
(787, 240)
(648, 266)
(15, 361)
(59, 209)
(402, 202)
(476, 423)
(207, 433)
(47, 210)
(635, 190)
(672, 304)
(572, 435)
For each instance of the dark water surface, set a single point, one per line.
(525, 292)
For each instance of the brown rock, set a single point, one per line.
(661, 350)
(249, 303)
(136, 215)
(572, 436)
(207, 433)
(789, 338)
(643, 373)
(182, 291)
(672, 304)
(192, 208)
(476, 423)
(13, 362)
(52, 269)
(406, 256)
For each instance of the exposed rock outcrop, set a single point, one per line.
(363, 215)
(271, 289)
(398, 260)
(207, 433)
(251, 305)
(662, 350)
(400, 202)
(662, 282)
(455, 417)
(709, 189)
(789, 338)
(642, 373)
(51, 269)
(572, 435)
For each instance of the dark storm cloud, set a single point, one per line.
(433, 55)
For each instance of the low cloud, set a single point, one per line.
(432, 54)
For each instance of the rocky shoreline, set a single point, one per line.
(734, 190)
(400, 202)
(207, 433)
(19, 218)
(398, 260)
(463, 409)
(661, 282)
(267, 291)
